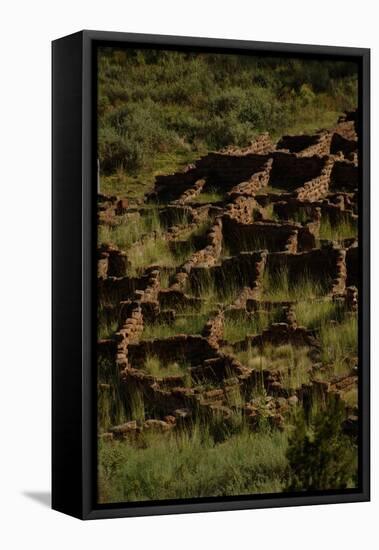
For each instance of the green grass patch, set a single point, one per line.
(156, 367)
(110, 403)
(316, 313)
(351, 397)
(205, 287)
(199, 231)
(155, 251)
(275, 190)
(190, 464)
(192, 323)
(292, 362)
(144, 241)
(130, 229)
(209, 197)
(320, 455)
(302, 215)
(270, 212)
(345, 229)
(135, 186)
(157, 108)
(339, 343)
(164, 278)
(105, 329)
(237, 328)
(279, 286)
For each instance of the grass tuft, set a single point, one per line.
(339, 344)
(183, 324)
(155, 366)
(191, 465)
(316, 313)
(345, 229)
(209, 197)
(236, 329)
(280, 287)
(292, 362)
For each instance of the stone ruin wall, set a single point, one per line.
(320, 177)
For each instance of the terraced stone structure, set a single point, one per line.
(227, 288)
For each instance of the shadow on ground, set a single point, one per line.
(42, 497)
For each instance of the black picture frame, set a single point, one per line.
(74, 437)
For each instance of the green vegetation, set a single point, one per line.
(270, 212)
(183, 324)
(136, 405)
(130, 229)
(110, 404)
(274, 190)
(237, 328)
(235, 432)
(253, 243)
(292, 362)
(339, 343)
(351, 397)
(209, 197)
(190, 464)
(320, 456)
(189, 240)
(154, 251)
(199, 230)
(144, 239)
(135, 185)
(279, 286)
(164, 278)
(158, 110)
(154, 366)
(302, 215)
(106, 328)
(345, 229)
(212, 293)
(316, 313)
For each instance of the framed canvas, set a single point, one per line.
(210, 275)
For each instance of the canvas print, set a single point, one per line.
(228, 275)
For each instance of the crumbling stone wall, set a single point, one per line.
(319, 176)
(260, 235)
(209, 255)
(214, 329)
(173, 214)
(339, 143)
(290, 171)
(351, 298)
(261, 145)
(192, 349)
(245, 269)
(257, 181)
(306, 145)
(318, 186)
(224, 171)
(192, 192)
(273, 236)
(111, 262)
(171, 187)
(327, 266)
(244, 209)
(290, 208)
(279, 334)
(344, 176)
(128, 333)
(113, 290)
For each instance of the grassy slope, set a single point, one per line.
(159, 111)
(192, 465)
